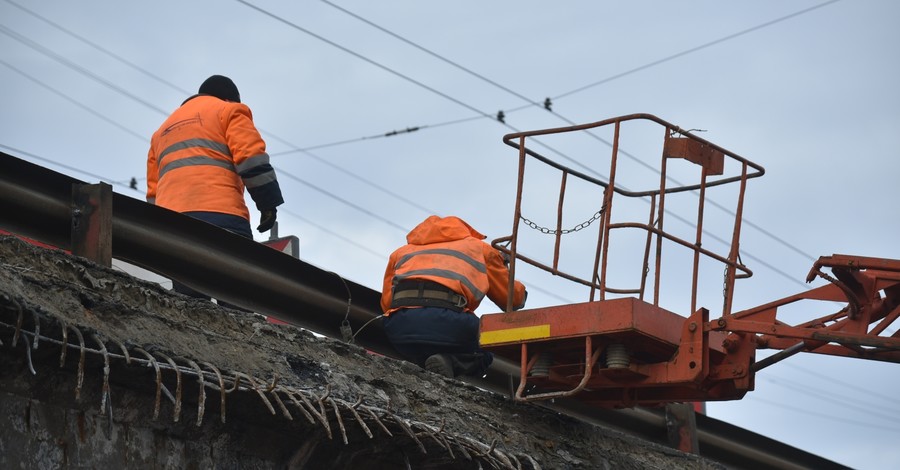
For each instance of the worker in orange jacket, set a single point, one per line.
(432, 287)
(204, 155)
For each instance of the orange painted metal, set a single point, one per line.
(621, 348)
(867, 293)
(708, 162)
(667, 357)
(671, 358)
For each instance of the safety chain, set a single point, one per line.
(314, 408)
(576, 228)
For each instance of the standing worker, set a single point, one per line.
(202, 158)
(432, 287)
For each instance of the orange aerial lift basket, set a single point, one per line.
(629, 343)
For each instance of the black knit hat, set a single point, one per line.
(221, 87)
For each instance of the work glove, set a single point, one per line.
(521, 305)
(266, 220)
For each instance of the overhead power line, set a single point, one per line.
(363, 58)
(848, 402)
(360, 56)
(433, 54)
(75, 66)
(366, 181)
(99, 47)
(398, 74)
(856, 388)
(337, 235)
(695, 49)
(49, 53)
(76, 103)
(327, 193)
(44, 50)
(827, 416)
(547, 103)
(296, 149)
(67, 167)
(393, 72)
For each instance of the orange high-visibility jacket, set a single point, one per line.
(205, 154)
(451, 253)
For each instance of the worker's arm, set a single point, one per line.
(152, 175)
(250, 158)
(387, 288)
(498, 275)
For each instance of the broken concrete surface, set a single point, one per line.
(155, 365)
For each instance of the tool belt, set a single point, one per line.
(427, 294)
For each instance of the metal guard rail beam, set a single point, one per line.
(37, 203)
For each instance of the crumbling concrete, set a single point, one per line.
(100, 369)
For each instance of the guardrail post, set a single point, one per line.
(92, 222)
(681, 424)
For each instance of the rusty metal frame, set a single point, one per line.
(858, 283)
(677, 143)
(707, 360)
(590, 359)
(674, 358)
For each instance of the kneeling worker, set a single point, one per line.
(432, 287)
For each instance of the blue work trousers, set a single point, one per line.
(418, 333)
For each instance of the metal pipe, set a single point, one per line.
(777, 357)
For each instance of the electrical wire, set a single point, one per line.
(377, 136)
(74, 66)
(363, 58)
(123, 60)
(365, 180)
(530, 102)
(402, 76)
(335, 234)
(62, 165)
(869, 391)
(76, 103)
(99, 48)
(844, 401)
(433, 54)
(283, 172)
(694, 49)
(80, 69)
(830, 417)
(342, 200)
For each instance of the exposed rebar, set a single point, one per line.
(465, 447)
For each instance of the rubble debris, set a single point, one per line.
(134, 358)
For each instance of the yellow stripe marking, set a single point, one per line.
(515, 334)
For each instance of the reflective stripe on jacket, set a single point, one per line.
(451, 253)
(204, 155)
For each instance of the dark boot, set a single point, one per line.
(440, 364)
(472, 364)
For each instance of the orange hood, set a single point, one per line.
(436, 229)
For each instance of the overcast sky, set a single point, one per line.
(378, 114)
